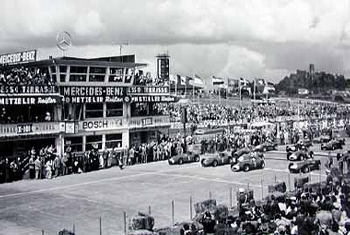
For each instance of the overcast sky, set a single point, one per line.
(228, 38)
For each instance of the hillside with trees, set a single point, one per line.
(318, 83)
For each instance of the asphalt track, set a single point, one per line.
(30, 206)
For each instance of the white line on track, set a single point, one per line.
(92, 182)
(196, 177)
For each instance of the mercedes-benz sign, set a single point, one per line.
(64, 40)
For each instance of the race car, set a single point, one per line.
(301, 144)
(322, 139)
(333, 144)
(249, 161)
(184, 158)
(299, 155)
(240, 152)
(216, 159)
(265, 147)
(304, 166)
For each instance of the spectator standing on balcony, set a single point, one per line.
(47, 117)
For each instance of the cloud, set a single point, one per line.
(227, 37)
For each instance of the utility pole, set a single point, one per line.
(184, 121)
(121, 46)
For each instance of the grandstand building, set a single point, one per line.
(77, 102)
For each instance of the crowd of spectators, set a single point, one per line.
(16, 115)
(198, 113)
(25, 76)
(311, 208)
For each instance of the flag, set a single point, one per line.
(271, 87)
(243, 82)
(217, 81)
(232, 82)
(197, 81)
(261, 81)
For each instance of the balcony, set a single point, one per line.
(31, 129)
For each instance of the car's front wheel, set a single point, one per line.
(215, 163)
(264, 149)
(181, 161)
(246, 168)
(306, 170)
(196, 158)
(262, 164)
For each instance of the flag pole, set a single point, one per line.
(193, 86)
(176, 80)
(254, 89)
(240, 93)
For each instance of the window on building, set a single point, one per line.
(114, 141)
(114, 109)
(78, 74)
(78, 69)
(129, 75)
(63, 73)
(62, 77)
(77, 78)
(97, 74)
(93, 139)
(76, 143)
(116, 75)
(63, 69)
(94, 110)
(53, 69)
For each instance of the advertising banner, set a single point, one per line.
(140, 90)
(28, 89)
(28, 100)
(152, 98)
(96, 125)
(88, 94)
(42, 128)
(18, 57)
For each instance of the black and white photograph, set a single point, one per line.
(175, 117)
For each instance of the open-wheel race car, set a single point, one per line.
(184, 158)
(301, 144)
(304, 166)
(322, 139)
(240, 152)
(267, 146)
(216, 159)
(299, 155)
(249, 161)
(333, 144)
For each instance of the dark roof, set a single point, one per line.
(102, 61)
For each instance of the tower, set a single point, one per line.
(163, 67)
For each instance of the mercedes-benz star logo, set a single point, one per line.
(64, 40)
